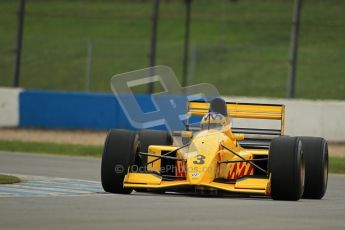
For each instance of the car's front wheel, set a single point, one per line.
(118, 156)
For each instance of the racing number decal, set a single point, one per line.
(200, 159)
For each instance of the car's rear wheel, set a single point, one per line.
(315, 150)
(118, 155)
(287, 168)
(147, 138)
(152, 137)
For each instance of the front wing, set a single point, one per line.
(245, 185)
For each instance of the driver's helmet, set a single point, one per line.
(214, 120)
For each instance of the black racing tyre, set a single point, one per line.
(315, 150)
(147, 138)
(152, 137)
(287, 168)
(118, 155)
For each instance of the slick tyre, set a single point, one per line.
(147, 138)
(152, 137)
(315, 150)
(118, 156)
(287, 168)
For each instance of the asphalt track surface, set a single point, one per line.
(97, 210)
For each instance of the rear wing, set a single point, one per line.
(274, 112)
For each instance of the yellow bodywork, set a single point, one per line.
(200, 164)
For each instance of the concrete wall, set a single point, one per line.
(9, 107)
(324, 118)
(46, 109)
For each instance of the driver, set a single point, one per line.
(213, 120)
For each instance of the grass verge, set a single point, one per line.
(242, 47)
(336, 164)
(7, 179)
(51, 148)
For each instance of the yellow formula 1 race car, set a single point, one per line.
(216, 158)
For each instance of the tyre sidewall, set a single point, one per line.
(118, 156)
(285, 167)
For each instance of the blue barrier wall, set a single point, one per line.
(71, 110)
(67, 110)
(48, 109)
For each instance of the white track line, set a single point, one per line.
(49, 186)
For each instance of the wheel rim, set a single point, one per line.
(325, 177)
(302, 172)
(326, 174)
(137, 166)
